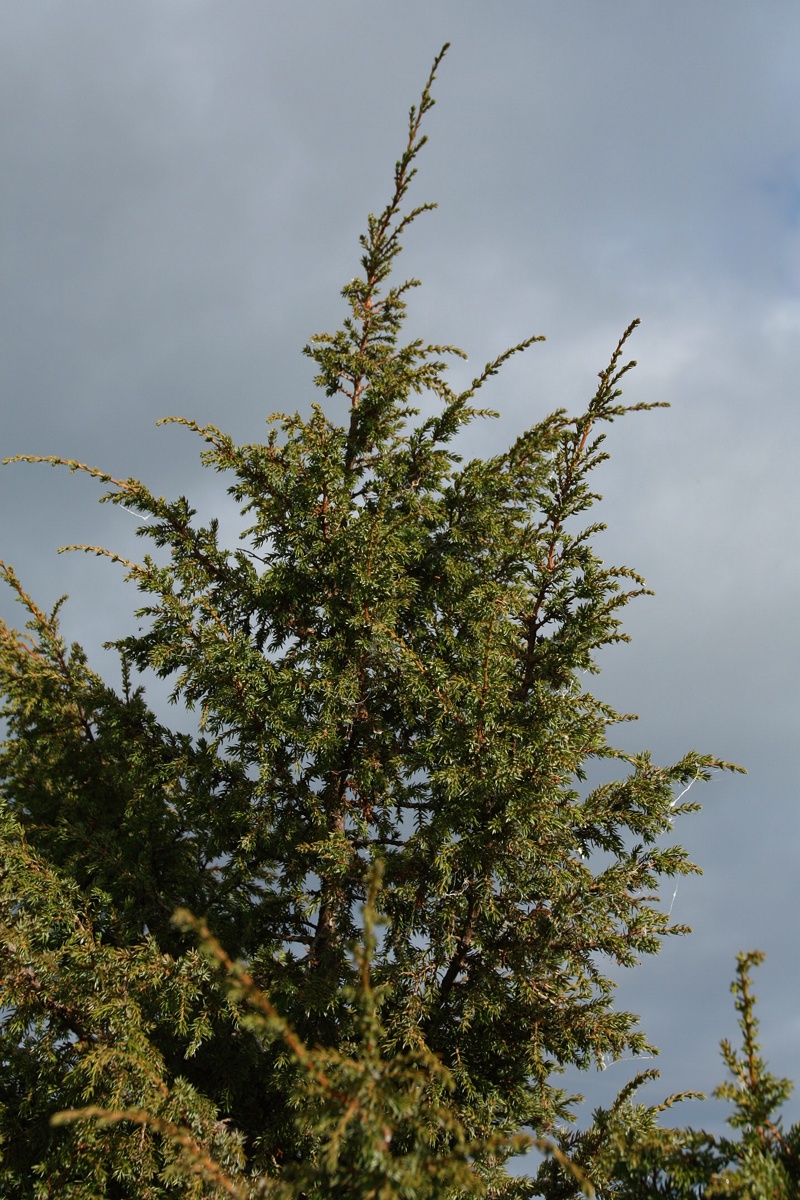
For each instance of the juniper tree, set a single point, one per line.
(389, 675)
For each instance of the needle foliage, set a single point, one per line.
(341, 940)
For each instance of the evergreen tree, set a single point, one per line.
(342, 940)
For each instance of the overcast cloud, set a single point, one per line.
(183, 185)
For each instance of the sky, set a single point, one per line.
(183, 186)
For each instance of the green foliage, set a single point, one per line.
(764, 1161)
(627, 1154)
(392, 725)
